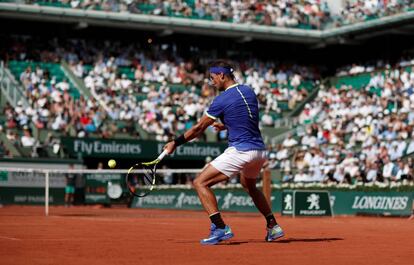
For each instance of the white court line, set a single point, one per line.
(87, 218)
(105, 219)
(157, 223)
(10, 238)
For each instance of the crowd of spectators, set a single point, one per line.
(358, 11)
(354, 135)
(50, 107)
(369, 67)
(154, 76)
(309, 14)
(282, 13)
(351, 135)
(136, 86)
(164, 111)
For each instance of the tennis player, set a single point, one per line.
(237, 108)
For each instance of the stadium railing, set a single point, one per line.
(10, 87)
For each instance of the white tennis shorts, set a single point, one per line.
(233, 162)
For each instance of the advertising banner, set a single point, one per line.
(96, 187)
(287, 202)
(90, 147)
(230, 200)
(31, 179)
(381, 203)
(31, 196)
(311, 203)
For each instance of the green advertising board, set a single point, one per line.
(96, 187)
(227, 199)
(311, 203)
(306, 203)
(28, 188)
(381, 203)
(341, 202)
(287, 202)
(31, 195)
(94, 147)
(4, 176)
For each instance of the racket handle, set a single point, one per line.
(162, 155)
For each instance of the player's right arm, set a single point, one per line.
(218, 126)
(215, 110)
(192, 133)
(199, 128)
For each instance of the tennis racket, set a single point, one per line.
(140, 178)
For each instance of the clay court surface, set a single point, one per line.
(88, 235)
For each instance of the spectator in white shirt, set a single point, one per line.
(282, 153)
(301, 176)
(63, 85)
(78, 69)
(316, 174)
(372, 172)
(387, 171)
(267, 119)
(27, 139)
(403, 170)
(339, 174)
(393, 152)
(410, 148)
(349, 165)
(309, 139)
(289, 141)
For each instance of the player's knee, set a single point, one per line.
(250, 188)
(197, 183)
(244, 186)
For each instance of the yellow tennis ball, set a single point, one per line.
(112, 163)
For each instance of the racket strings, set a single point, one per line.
(148, 176)
(141, 179)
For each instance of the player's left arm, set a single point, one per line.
(192, 133)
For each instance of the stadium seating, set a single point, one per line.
(152, 98)
(287, 13)
(359, 125)
(361, 11)
(132, 107)
(55, 71)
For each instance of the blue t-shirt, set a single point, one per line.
(238, 109)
